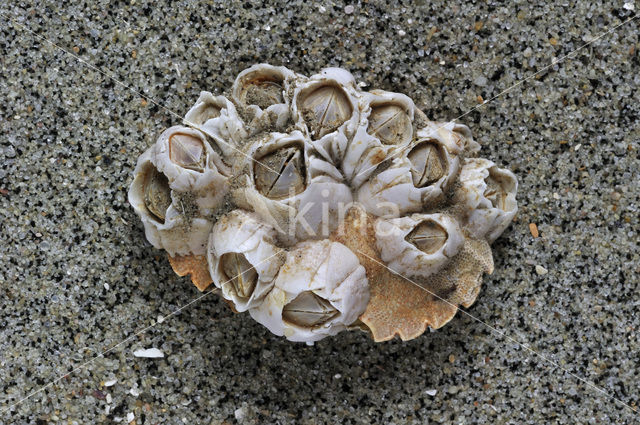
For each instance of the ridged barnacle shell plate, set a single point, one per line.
(318, 207)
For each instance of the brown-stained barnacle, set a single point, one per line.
(497, 189)
(261, 85)
(264, 92)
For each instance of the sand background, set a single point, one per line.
(77, 275)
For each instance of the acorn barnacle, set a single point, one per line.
(317, 207)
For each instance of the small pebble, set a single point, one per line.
(240, 413)
(481, 81)
(130, 417)
(349, 9)
(431, 392)
(533, 228)
(541, 270)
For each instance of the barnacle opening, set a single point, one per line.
(325, 109)
(262, 86)
(281, 173)
(498, 187)
(308, 310)
(239, 271)
(263, 92)
(428, 163)
(428, 236)
(208, 112)
(157, 194)
(390, 123)
(187, 151)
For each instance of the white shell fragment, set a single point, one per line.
(149, 353)
(312, 204)
(320, 290)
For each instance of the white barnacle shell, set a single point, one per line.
(181, 167)
(263, 90)
(326, 109)
(191, 165)
(489, 194)
(386, 123)
(418, 177)
(390, 118)
(284, 187)
(419, 244)
(459, 132)
(320, 290)
(217, 118)
(243, 258)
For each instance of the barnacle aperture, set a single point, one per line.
(240, 272)
(497, 190)
(264, 92)
(325, 109)
(428, 236)
(187, 151)
(157, 194)
(390, 124)
(308, 310)
(208, 112)
(281, 174)
(428, 164)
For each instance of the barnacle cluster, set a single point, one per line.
(318, 207)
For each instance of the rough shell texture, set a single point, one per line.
(177, 187)
(419, 244)
(318, 207)
(320, 290)
(243, 259)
